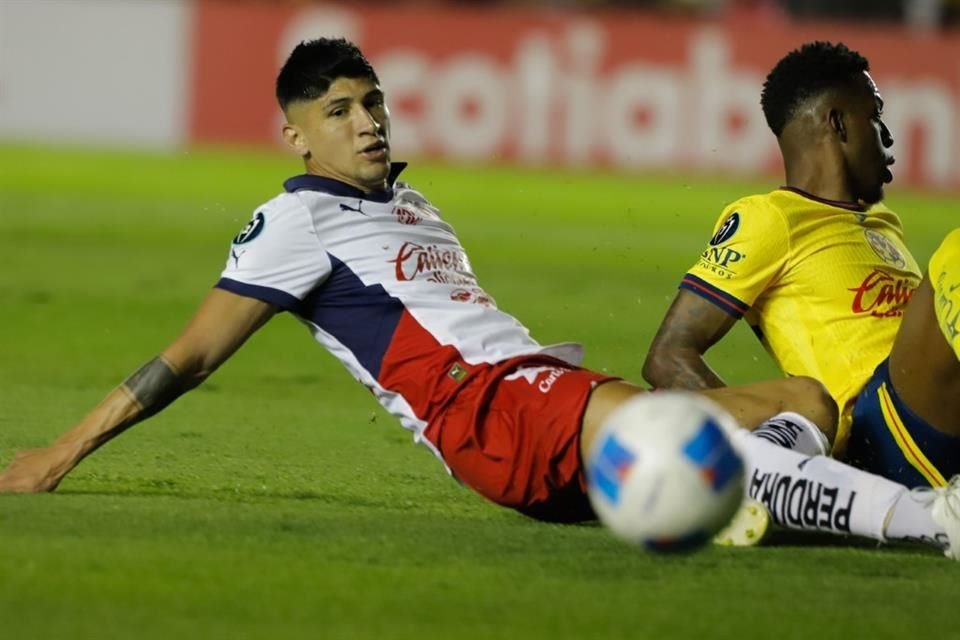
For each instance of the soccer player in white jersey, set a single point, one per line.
(369, 266)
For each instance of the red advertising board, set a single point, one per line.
(610, 88)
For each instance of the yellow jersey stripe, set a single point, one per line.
(911, 452)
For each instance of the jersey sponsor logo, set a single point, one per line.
(882, 295)
(532, 376)
(434, 263)
(252, 230)
(474, 295)
(721, 260)
(406, 216)
(885, 248)
(726, 230)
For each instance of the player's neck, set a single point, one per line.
(819, 180)
(315, 169)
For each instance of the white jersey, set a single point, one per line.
(384, 284)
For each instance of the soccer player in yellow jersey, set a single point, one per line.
(819, 270)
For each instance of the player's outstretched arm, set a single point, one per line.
(675, 359)
(223, 322)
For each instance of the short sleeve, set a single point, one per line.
(277, 257)
(748, 250)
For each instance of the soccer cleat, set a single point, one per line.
(750, 526)
(946, 513)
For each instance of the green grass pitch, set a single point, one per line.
(278, 501)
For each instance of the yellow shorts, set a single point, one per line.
(945, 277)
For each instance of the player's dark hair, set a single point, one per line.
(804, 73)
(315, 64)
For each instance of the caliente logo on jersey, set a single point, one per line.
(726, 230)
(882, 295)
(433, 263)
(252, 230)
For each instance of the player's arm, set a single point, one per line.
(220, 326)
(745, 256)
(675, 359)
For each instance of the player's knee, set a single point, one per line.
(815, 402)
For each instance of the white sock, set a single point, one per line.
(911, 519)
(815, 493)
(795, 432)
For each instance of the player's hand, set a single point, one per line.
(38, 470)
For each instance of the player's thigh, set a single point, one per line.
(750, 404)
(889, 439)
(925, 358)
(944, 276)
(513, 435)
(604, 399)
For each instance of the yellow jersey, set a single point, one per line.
(945, 279)
(823, 284)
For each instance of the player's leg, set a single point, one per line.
(907, 419)
(812, 493)
(752, 405)
(512, 434)
(925, 359)
(819, 493)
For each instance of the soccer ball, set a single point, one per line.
(662, 473)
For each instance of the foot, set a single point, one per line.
(751, 525)
(946, 513)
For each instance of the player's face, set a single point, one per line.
(344, 134)
(866, 151)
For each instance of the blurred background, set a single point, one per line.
(643, 85)
(582, 150)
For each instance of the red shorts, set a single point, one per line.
(512, 433)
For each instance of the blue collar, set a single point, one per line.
(310, 182)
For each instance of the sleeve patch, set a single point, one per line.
(726, 230)
(252, 230)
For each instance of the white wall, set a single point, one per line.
(101, 71)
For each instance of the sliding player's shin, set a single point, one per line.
(817, 493)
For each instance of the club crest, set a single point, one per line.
(885, 248)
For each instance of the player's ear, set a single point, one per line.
(295, 139)
(835, 118)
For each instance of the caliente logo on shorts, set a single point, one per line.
(534, 376)
(252, 230)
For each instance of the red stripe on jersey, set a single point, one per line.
(423, 371)
(717, 296)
